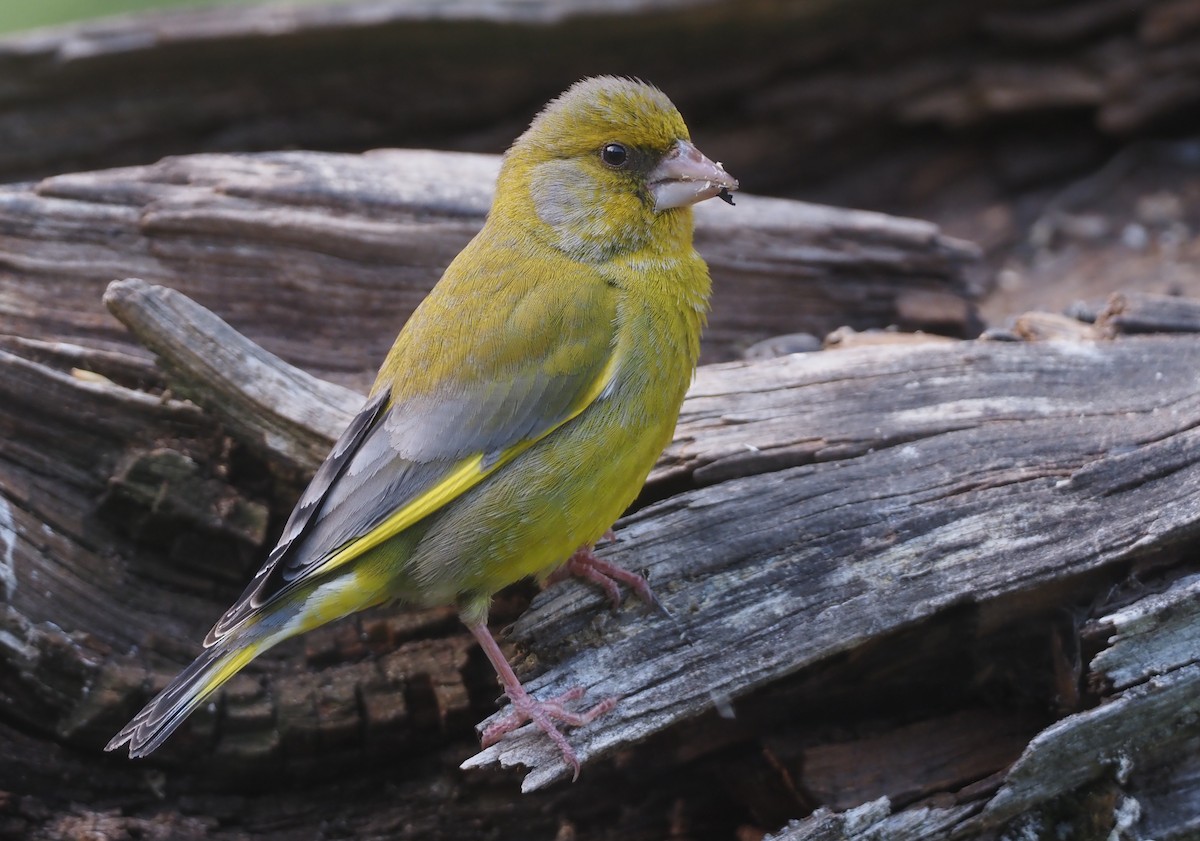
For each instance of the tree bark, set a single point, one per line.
(320, 257)
(994, 546)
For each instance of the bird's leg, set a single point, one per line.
(584, 564)
(527, 708)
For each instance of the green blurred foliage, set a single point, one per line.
(28, 14)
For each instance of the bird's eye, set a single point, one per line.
(615, 155)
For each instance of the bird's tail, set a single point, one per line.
(263, 627)
(191, 688)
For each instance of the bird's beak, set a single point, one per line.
(684, 176)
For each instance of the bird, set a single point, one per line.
(518, 413)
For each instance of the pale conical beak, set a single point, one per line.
(684, 176)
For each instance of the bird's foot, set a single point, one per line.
(527, 708)
(584, 564)
(544, 714)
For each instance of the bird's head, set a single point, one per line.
(608, 167)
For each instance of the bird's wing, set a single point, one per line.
(414, 448)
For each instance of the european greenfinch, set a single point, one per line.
(518, 412)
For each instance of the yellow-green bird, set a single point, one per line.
(519, 411)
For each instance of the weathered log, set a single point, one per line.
(823, 520)
(335, 75)
(1132, 760)
(320, 258)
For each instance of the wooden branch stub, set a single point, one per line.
(288, 417)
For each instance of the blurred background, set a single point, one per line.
(18, 16)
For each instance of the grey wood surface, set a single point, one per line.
(847, 495)
(835, 499)
(320, 258)
(810, 508)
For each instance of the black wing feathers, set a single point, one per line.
(270, 579)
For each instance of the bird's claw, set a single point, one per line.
(526, 708)
(584, 564)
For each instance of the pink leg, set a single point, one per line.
(527, 708)
(584, 564)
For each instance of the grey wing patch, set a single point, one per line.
(375, 484)
(488, 418)
(304, 515)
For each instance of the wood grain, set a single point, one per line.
(818, 516)
(320, 258)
